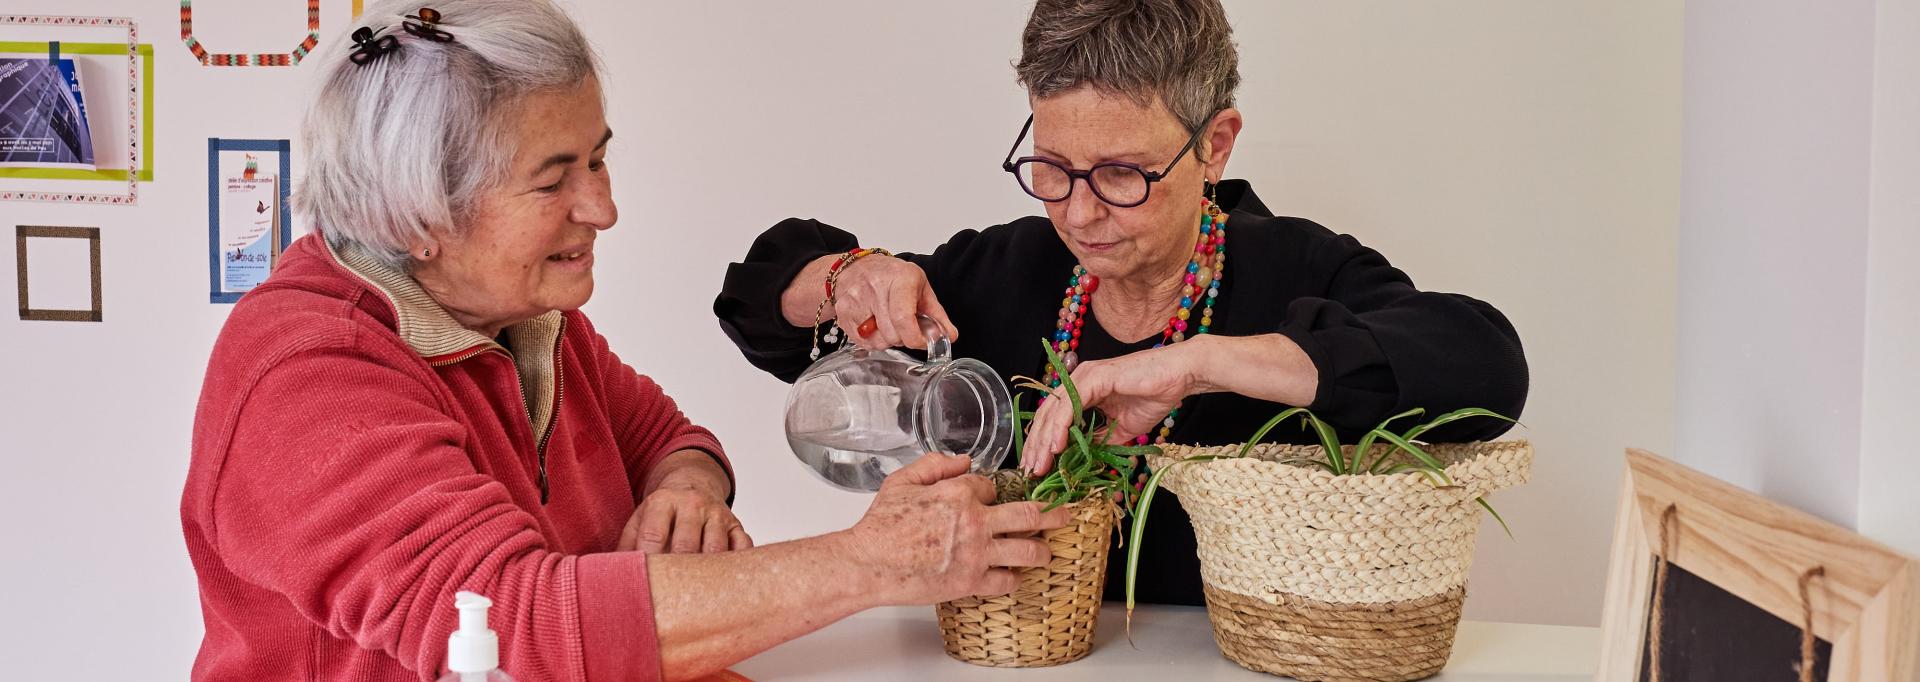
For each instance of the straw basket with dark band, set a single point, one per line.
(1330, 578)
(1049, 618)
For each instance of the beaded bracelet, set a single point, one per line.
(834, 333)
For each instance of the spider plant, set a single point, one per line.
(1088, 466)
(1336, 462)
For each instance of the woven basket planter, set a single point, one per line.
(1328, 578)
(1049, 618)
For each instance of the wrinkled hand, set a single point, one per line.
(683, 520)
(891, 292)
(932, 536)
(1134, 391)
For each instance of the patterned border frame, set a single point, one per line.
(92, 234)
(146, 113)
(134, 87)
(229, 59)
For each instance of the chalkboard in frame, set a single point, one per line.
(1756, 572)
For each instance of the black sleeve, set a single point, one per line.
(749, 302)
(1383, 347)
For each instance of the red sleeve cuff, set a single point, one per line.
(617, 631)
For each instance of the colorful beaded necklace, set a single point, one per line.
(1203, 276)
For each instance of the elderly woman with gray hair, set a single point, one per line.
(413, 405)
(1126, 275)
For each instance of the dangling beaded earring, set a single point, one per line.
(1210, 191)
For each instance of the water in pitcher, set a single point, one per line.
(855, 435)
(856, 416)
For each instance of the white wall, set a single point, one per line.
(1798, 300)
(1773, 246)
(1524, 152)
(1888, 467)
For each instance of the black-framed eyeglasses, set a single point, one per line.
(1122, 184)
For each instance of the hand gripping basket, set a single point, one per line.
(1049, 618)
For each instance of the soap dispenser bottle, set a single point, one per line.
(473, 651)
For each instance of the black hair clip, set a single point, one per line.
(428, 26)
(371, 48)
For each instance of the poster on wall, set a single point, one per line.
(43, 115)
(64, 127)
(249, 222)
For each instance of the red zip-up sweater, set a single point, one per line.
(359, 457)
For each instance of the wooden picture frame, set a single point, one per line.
(1865, 601)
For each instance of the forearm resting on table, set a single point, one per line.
(714, 610)
(803, 295)
(1268, 367)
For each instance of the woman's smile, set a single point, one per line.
(576, 259)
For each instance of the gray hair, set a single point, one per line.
(414, 137)
(1180, 51)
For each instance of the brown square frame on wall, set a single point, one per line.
(92, 234)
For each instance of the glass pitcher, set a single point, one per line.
(858, 415)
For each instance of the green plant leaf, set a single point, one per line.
(1331, 441)
(1112, 459)
(1365, 445)
(1262, 433)
(1454, 416)
(1139, 531)
(1496, 515)
(1431, 463)
(1020, 420)
(1066, 381)
(1134, 450)
(1045, 489)
(1080, 441)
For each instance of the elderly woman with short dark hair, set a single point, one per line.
(1127, 273)
(413, 405)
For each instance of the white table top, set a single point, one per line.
(1175, 643)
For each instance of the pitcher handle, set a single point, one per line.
(939, 347)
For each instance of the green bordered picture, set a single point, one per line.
(56, 51)
(138, 120)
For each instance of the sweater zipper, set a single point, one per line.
(462, 357)
(559, 393)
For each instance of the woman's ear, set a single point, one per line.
(1218, 142)
(424, 246)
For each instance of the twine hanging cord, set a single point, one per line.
(1806, 628)
(1669, 545)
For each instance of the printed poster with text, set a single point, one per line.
(249, 241)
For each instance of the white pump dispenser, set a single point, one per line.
(473, 651)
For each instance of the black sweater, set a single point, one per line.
(1380, 345)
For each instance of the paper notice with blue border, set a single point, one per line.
(249, 221)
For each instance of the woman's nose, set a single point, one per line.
(1083, 206)
(595, 207)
